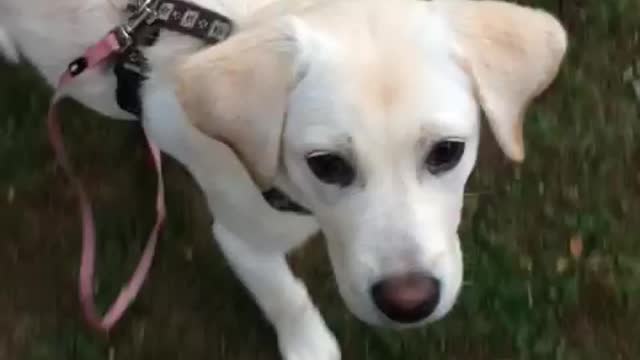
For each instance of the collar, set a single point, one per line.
(146, 19)
(176, 15)
(280, 201)
(190, 19)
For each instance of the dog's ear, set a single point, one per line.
(237, 92)
(512, 53)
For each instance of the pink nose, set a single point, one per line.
(407, 298)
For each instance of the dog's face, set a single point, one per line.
(379, 141)
(367, 112)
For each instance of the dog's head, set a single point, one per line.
(367, 113)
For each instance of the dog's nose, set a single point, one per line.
(407, 298)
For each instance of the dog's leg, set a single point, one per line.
(302, 333)
(254, 237)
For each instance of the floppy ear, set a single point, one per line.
(237, 92)
(512, 53)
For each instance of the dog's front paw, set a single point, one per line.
(307, 337)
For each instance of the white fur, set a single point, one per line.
(383, 81)
(7, 48)
(404, 220)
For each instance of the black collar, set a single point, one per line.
(147, 19)
(280, 201)
(193, 20)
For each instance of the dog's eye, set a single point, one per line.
(444, 156)
(331, 168)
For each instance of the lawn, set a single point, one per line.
(552, 247)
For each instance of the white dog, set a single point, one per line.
(365, 112)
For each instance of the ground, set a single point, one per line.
(551, 247)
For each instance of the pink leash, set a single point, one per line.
(94, 57)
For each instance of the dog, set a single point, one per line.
(365, 112)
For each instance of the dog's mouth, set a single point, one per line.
(403, 298)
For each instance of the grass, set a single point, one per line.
(526, 295)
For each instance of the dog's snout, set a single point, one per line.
(407, 298)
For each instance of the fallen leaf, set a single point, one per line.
(575, 246)
(628, 74)
(526, 263)
(188, 253)
(11, 195)
(562, 264)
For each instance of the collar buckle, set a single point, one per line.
(143, 12)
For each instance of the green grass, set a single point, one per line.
(526, 296)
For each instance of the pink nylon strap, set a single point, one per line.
(94, 57)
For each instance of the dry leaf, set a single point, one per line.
(575, 246)
(11, 195)
(188, 253)
(562, 264)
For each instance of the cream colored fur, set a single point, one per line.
(377, 81)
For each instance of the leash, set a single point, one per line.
(119, 47)
(95, 57)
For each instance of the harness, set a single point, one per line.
(120, 48)
(131, 66)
